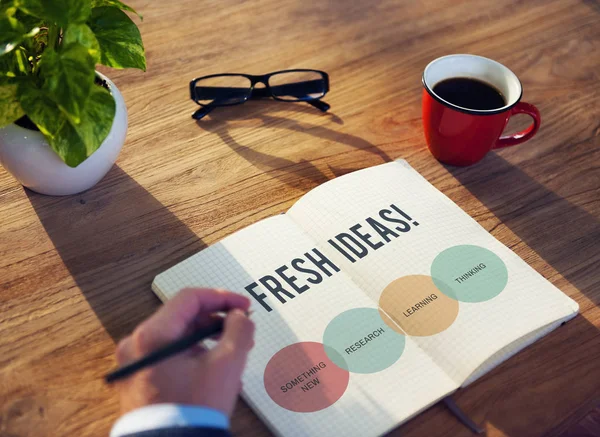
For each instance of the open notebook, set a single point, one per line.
(374, 297)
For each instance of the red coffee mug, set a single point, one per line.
(463, 136)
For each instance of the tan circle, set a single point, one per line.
(415, 306)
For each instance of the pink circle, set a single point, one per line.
(302, 378)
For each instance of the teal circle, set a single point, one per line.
(469, 273)
(359, 341)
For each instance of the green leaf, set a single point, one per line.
(10, 108)
(96, 119)
(41, 110)
(29, 21)
(72, 142)
(116, 4)
(119, 38)
(61, 12)
(14, 64)
(82, 34)
(69, 76)
(7, 7)
(12, 32)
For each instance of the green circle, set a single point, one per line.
(469, 273)
(359, 341)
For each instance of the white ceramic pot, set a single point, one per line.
(28, 157)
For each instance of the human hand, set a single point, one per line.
(198, 376)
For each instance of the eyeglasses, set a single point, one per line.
(233, 89)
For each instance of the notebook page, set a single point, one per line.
(510, 350)
(296, 384)
(460, 293)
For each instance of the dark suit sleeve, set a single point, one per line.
(183, 431)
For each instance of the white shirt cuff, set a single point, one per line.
(168, 416)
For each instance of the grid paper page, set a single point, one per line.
(361, 394)
(459, 293)
(510, 350)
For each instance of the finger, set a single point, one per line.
(209, 321)
(205, 320)
(238, 335)
(124, 352)
(215, 338)
(173, 320)
(196, 351)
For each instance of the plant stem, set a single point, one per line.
(53, 36)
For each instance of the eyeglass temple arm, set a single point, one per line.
(319, 104)
(202, 112)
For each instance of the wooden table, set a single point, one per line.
(75, 272)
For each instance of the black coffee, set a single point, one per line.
(470, 93)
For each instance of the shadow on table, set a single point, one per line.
(114, 239)
(302, 174)
(562, 233)
(561, 368)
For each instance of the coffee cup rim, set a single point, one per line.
(504, 68)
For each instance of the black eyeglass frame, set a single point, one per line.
(258, 93)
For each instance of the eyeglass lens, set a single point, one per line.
(297, 85)
(222, 90)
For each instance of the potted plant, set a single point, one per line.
(62, 123)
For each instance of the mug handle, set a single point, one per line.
(524, 135)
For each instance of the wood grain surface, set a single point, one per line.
(75, 272)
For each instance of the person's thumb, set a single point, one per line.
(238, 335)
